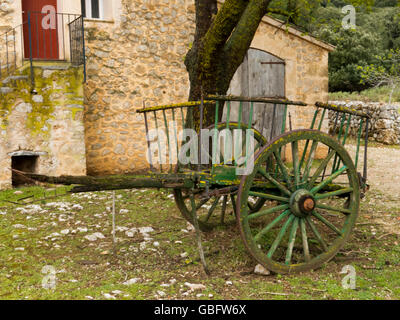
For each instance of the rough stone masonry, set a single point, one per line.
(385, 123)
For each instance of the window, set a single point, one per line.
(92, 9)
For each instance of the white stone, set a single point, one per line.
(260, 270)
(161, 293)
(77, 207)
(99, 235)
(37, 98)
(131, 281)
(94, 237)
(108, 296)
(48, 73)
(194, 286)
(19, 226)
(146, 230)
(117, 292)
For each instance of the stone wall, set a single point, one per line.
(8, 10)
(137, 59)
(385, 123)
(48, 124)
(10, 17)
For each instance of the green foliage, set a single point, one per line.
(377, 32)
(386, 3)
(353, 48)
(384, 72)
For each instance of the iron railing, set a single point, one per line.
(42, 37)
(77, 39)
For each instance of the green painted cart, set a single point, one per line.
(295, 197)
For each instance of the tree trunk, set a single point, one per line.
(219, 48)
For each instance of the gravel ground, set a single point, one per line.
(384, 180)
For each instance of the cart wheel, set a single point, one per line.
(214, 211)
(312, 203)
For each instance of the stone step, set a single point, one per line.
(55, 67)
(13, 79)
(6, 90)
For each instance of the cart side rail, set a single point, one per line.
(170, 119)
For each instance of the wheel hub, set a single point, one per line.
(302, 203)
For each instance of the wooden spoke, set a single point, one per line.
(279, 237)
(268, 196)
(271, 225)
(321, 168)
(266, 212)
(223, 210)
(327, 223)
(336, 209)
(310, 161)
(233, 203)
(212, 209)
(283, 169)
(275, 182)
(320, 196)
(306, 249)
(295, 158)
(328, 180)
(292, 239)
(316, 233)
(202, 203)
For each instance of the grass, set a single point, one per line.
(379, 94)
(91, 270)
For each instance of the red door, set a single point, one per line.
(43, 28)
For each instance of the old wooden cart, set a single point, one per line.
(297, 203)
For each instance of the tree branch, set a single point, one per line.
(217, 35)
(240, 40)
(205, 9)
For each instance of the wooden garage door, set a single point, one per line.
(261, 75)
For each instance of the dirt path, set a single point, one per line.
(384, 171)
(384, 193)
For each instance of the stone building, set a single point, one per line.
(134, 56)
